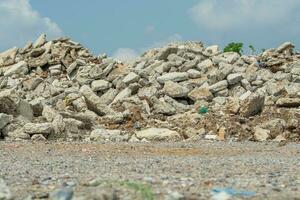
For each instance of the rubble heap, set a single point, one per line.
(184, 91)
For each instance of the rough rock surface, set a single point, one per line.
(58, 90)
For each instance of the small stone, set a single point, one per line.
(133, 139)
(4, 120)
(237, 91)
(61, 194)
(175, 90)
(122, 95)
(205, 65)
(41, 128)
(55, 70)
(107, 135)
(99, 134)
(293, 90)
(276, 126)
(8, 101)
(109, 96)
(175, 196)
(163, 107)
(93, 101)
(211, 137)
(201, 94)
(37, 106)
(191, 132)
(131, 78)
(5, 193)
(79, 105)
(40, 41)
(288, 102)
(147, 92)
(38, 137)
(100, 85)
(233, 106)
(189, 65)
(275, 89)
(244, 96)
(163, 55)
(19, 68)
(211, 50)
(292, 124)
(285, 46)
(224, 71)
(234, 78)
(37, 52)
(245, 83)
(32, 83)
(194, 73)
(230, 57)
(219, 100)
(222, 133)
(218, 86)
(24, 108)
(173, 76)
(158, 134)
(279, 138)
(18, 134)
(261, 134)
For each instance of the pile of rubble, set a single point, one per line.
(59, 90)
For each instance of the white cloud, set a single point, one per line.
(228, 14)
(125, 54)
(20, 23)
(172, 38)
(128, 54)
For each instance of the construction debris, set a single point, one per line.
(58, 89)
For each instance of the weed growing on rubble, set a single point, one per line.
(251, 47)
(144, 190)
(234, 47)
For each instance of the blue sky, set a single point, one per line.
(128, 27)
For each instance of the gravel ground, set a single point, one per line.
(150, 171)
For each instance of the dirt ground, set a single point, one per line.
(151, 171)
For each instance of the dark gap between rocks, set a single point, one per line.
(185, 100)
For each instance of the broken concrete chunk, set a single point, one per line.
(122, 95)
(94, 102)
(234, 78)
(8, 101)
(131, 78)
(201, 94)
(288, 102)
(261, 134)
(100, 85)
(175, 90)
(40, 41)
(19, 68)
(41, 128)
(24, 108)
(218, 86)
(158, 134)
(173, 76)
(252, 105)
(4, 120)
(285, 46)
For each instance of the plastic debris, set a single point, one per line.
(203, 110)
(228, 193)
